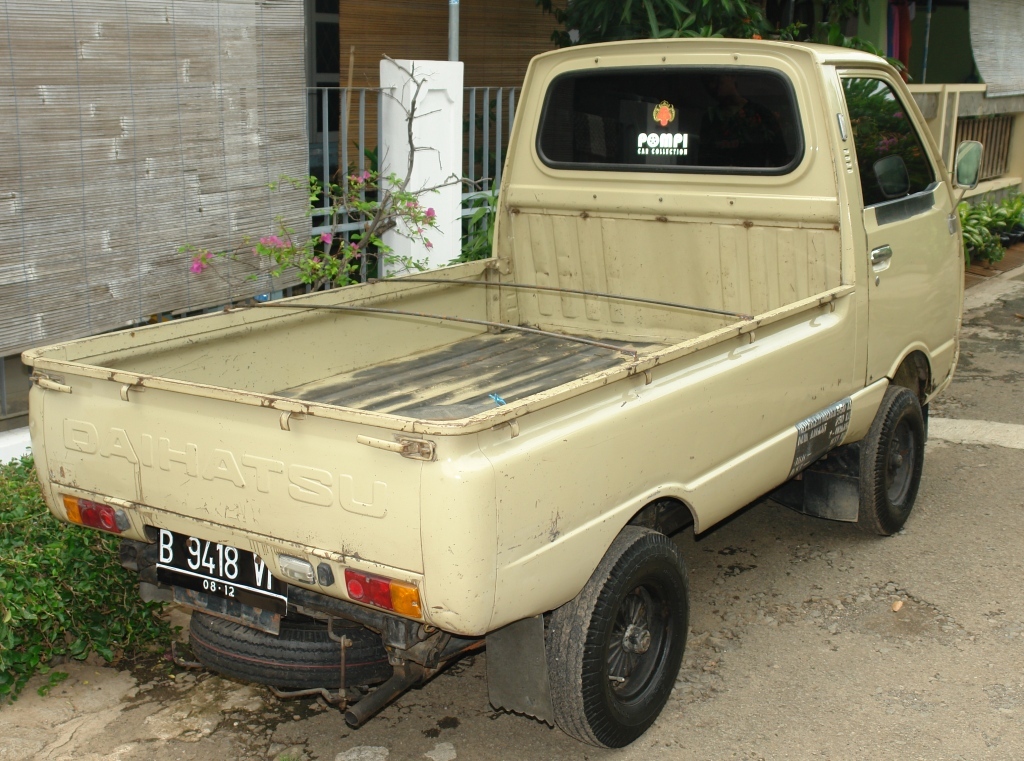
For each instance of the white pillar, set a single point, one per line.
(437, 136)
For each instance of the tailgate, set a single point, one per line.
(303, 480)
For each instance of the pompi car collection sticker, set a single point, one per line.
(662, 143)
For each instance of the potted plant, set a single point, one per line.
(981, 225)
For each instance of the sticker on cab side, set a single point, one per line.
(819, 433)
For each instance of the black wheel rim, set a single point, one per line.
(900, 461)
(640, 639)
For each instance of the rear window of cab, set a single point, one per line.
(713, 120)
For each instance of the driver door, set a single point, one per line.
(915, 265)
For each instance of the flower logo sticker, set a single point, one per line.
(664, 113)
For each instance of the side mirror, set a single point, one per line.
(967, 166)
(891, 174)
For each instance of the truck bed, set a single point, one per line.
(403, 369)
(457, 380)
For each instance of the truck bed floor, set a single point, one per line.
(457, 380)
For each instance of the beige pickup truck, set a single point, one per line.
(716, 262)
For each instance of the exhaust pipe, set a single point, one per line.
(404, 677)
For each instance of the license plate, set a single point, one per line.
(219, 569)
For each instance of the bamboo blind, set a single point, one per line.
(131, 128)
(993, 132)
(496, 45)
(996, 27)
(497, 41)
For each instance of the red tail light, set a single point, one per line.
(370, 589)
(389, 594)
(95, 515)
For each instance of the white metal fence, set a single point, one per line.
(344, 132)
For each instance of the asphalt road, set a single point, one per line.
(809, 639)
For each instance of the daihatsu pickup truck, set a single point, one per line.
(721, 269)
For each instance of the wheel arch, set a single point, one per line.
(568, 560)
(667, 515)
(914, 372)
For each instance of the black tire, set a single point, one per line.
(302, 657)
(629, 623)
(891, 460)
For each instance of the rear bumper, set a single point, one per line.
(140, 535)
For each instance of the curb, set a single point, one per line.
(14, 444)
(988, 292)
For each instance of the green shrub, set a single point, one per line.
(982, 223)
(62, 591)
(1014, 206)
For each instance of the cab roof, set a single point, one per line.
(821, 54)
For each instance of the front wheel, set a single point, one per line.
(891, 460)
(614, 650)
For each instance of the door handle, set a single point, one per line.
(880, 258)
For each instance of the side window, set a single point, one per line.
(883, 135)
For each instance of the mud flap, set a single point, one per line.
(828, 488)
(517, 669)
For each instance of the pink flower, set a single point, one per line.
(316, 260)
(272, 241)
(430, 213)
(198, 265)
(428, 244)
(327, 238)
(411, 204)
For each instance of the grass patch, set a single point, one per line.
(62, 591)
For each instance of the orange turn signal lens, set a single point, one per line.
(405, 599)
(71, 507)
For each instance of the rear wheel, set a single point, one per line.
(302, 657)
(891, 460)
(614, 651)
